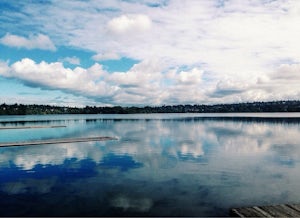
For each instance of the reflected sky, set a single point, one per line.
(179, 166)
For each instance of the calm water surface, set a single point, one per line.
(161, 164)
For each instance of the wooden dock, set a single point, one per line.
(57, 141)
(282, 210)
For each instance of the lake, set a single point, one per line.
(160, 164)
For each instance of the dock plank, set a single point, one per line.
(282, 210)
(275, 211)
(264, 213)
(57, 141)
(290, 211)
(246, 212)
(294, 206)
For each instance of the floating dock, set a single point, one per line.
(29, 127)
(282, 210)
(57, 141)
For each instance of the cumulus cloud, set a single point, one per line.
(147, 83)
(143, 83)
(226, 43)
(229, 87)
(282, 83)
(38, 41)
(287, 72)
(86, 82)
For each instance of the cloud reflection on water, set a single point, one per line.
(197, 166)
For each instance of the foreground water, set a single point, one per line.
(161, 164)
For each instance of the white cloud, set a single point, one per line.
(147, 83)
(288, 72)
(233, 50)
(85, 82)
(191, 77)
(129, 23)
(252, 33)
(38, 41)
(282, 83)
(144, 83)
(72, 60)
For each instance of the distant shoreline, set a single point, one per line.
(254, 107)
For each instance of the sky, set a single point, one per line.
(148, 52)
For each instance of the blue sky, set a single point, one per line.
(148, 52)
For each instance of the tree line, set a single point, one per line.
(273, 106)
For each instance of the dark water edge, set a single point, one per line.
(249, 117)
